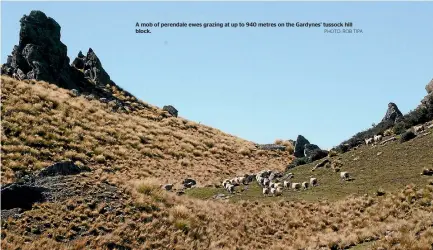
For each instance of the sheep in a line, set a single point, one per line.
(344, 175)
(276, 191)
(418, 129)
(286, 184)
(296, 185)
(305, 185)
(369, 141)
(313, 181)
(230, 188)
(377, 138)
(265, 191)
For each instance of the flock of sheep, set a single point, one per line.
(273, 183)
(377, 138)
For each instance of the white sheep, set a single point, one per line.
(266, 182)
(418, 129)
(278, 185)
(344, 175)
(241, 180)
(313, 181)
(296, 185)
(290, 175)
(369, 141)
(265, 191)
(305, 185)
(273, 191)
(377, 138)
(286, 184)
(230, 188)
(276, 191)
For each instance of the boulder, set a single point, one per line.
(62, 168)
(309, 149)
(393, 114)
(188, 183)
(407, 136)
(300, 146)
(317, 155)
(171, 110)
(18, 195)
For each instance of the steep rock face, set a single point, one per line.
(92, 68)
(393, 113)
(40, 54)
(300, 146)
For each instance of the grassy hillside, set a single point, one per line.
(388, 167)
(119, 204)
(42, 123)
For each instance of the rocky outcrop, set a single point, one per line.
(309, 149)
(429, 87)
(62, 168)
(92, 68)
(40, 54)
(300, 146)
(171, 110)
(22, 196)
(392, 114)
(270, 147)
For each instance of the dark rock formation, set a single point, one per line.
(317, 155)
(271, 147)
(188, 183)
(429, 87)
(62, 168)
(407, 136)
(92, 68)
(18, 195)
(298, 162)
(393, 113)
(171, 110)
(40, 54)
(300, 146)
(309, 149)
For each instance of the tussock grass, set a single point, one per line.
(42, 123)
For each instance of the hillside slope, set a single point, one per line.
(43, 124)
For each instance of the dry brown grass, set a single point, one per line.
(153, 219)
(42, 123)
(138, 151)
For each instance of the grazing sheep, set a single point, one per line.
(313, 181)
(230, 188)
(296, 185)
(369, 141)
(266, 182)
(241, 180)
(418, 129)
(260, 181)
(344, 175)
(265, 191)
(305, 185)
(286, 184)
(278, 185)
(271, 184)
(290, 175)
(273, 191)
(377, 138)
